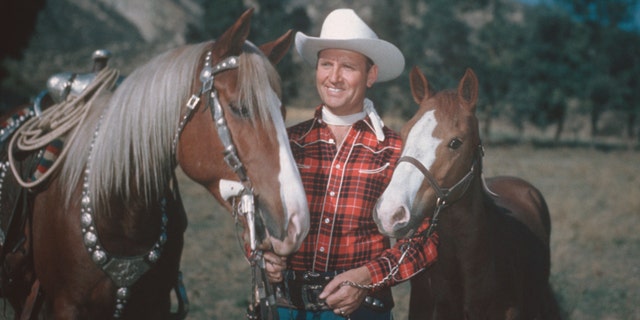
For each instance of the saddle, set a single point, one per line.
(16, 264)
(25, 171)
(18, 282)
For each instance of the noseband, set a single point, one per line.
(446, 196)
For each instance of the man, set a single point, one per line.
(346, 157)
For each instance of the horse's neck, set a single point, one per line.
(470, 212)
(129, 228)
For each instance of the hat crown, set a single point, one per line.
(344, 29)
(345, 24)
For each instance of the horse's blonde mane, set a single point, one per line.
(131, 155)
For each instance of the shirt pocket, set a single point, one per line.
(375, 170)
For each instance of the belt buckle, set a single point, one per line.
(310, 297)
(311, 291)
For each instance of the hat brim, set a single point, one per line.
(385, 55)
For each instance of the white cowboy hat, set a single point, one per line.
(343, 29)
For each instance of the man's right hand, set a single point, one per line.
(274, 265)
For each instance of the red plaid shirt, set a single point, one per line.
(342, 188)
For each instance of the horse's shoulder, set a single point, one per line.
(515, 188)
(521, 200)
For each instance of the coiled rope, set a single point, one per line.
(56, 122)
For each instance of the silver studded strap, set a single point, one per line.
(123, 271)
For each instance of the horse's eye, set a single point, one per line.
(240, 111)
(455, 143)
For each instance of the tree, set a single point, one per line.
(553, 70)
(436, 40)
(495, 51)
(607, 26)
(268, 24)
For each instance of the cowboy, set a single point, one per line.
(346, 157)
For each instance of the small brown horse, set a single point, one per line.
(105, 233)
(493, 255)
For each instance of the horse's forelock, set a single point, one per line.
(259, 85)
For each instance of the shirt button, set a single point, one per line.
(327, 220)
(321, 249)
(338, 166)
(332, 193)
(331, 141)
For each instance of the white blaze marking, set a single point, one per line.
(292, 192)
(407, 179)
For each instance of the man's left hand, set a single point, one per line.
(345, 299)
(274, 265)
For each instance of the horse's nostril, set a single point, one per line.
(400, 215)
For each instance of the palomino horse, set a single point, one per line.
(105, 232)
(493, 253)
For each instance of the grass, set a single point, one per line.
(594, 201)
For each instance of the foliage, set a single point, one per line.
(530, 69)
(545, 65)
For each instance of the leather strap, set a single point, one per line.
(32, 303)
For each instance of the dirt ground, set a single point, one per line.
(594, 202)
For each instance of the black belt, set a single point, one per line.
(301, 289)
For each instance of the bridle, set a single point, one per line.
(125, 271)
(207, 77)
(246, 205)
(263, 298)
(446, 196)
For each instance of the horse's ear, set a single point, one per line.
(468, 89)
(232, 40)
(276, 50)
(419, 85)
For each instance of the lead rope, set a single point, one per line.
(404, 248)
(263, 298)
(441, 202)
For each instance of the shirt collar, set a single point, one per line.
(375, 122)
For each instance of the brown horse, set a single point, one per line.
(493, 255)
(105, 232)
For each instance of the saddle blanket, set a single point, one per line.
(47, 156)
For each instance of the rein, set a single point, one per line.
(445, 198)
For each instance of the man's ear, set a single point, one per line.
(372, 75)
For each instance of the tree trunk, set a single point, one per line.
(559, 129)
